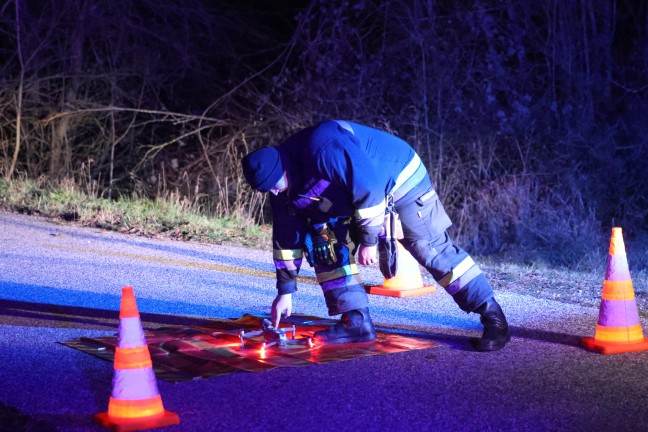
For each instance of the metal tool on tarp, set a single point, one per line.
(274, 336)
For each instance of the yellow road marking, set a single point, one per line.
(214, 267)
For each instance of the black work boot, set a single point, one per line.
(496, 330)
(355, 326)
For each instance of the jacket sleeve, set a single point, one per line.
(288, 232)
(346, 164)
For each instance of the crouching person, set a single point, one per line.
(330, 178)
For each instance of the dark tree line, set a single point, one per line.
(532, 117)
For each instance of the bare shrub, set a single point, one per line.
(530, 117)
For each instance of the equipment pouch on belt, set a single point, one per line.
(387, 245)
(324, 241)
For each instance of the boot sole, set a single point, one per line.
(491, 347)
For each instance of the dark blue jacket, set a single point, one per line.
(337, 169)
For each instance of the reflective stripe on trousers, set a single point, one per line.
(424, 223)
(341, 282)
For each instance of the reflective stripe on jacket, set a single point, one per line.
(336, 169)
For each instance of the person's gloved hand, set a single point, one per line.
(324, 241)
(282, 303)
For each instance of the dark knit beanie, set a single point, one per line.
(262, 168)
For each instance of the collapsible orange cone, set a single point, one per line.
(618, 329)
(135, 402)
(408, 280)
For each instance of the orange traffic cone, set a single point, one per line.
(408, 280)
(618, 329)
(135, 402)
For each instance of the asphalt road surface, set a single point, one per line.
(59, 283)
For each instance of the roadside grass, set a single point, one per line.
(168, 217)
(172, 217)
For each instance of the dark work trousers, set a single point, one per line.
(341, 282)
(424, 222)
